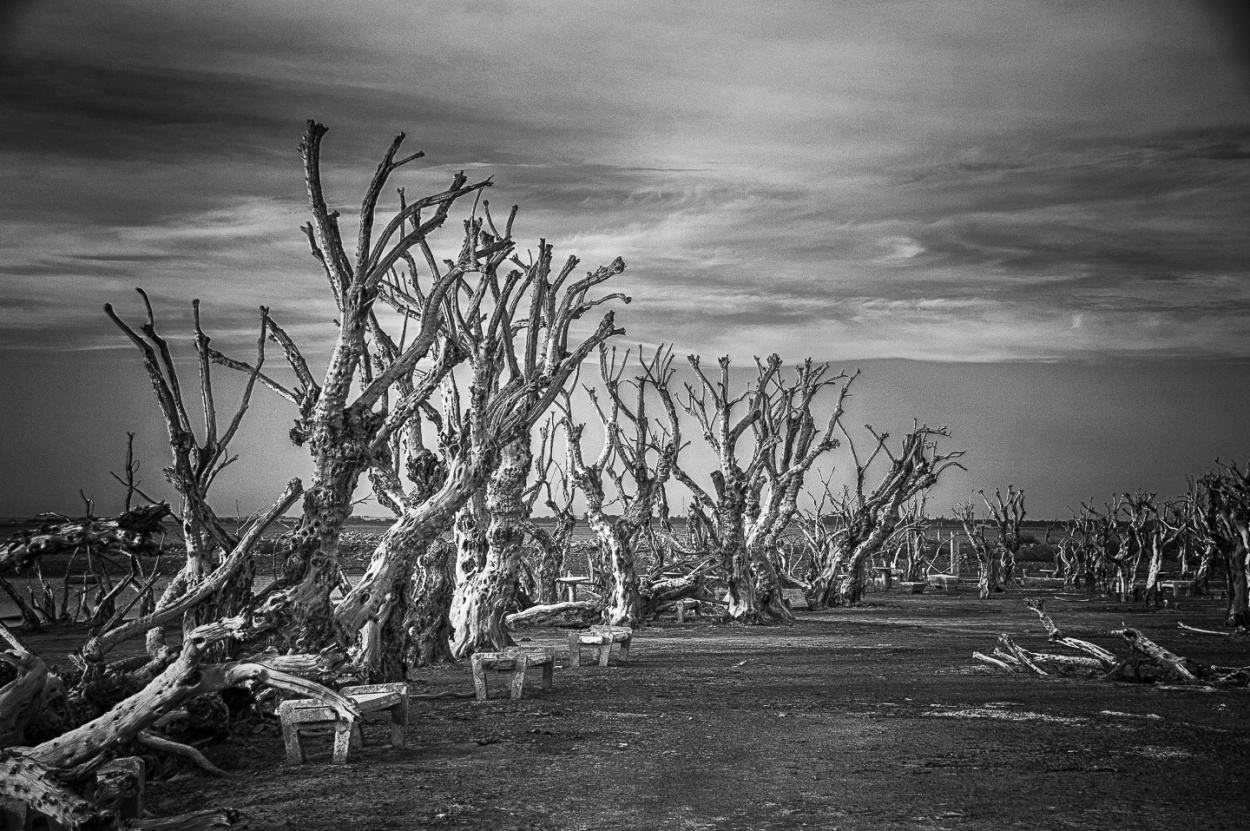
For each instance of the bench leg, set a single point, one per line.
(343, 735)
(399, 723)
(294, 750)
(605, 652)
(575, 649)
(624, 656)
(518, 677)
(479, 678)
(549, 675)
(681, 612)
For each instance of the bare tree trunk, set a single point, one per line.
(623, 604)
(851, 588)
(550, 548)
(299, 601)
(482, 600)
(768, 589)
(824, 589)
(427, 622)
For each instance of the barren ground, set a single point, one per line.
(873, 717)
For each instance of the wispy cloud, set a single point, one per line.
(979, 182)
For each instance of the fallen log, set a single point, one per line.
(21, 697)
(995, 662)
(1106, 658)
(1010, 648)
(580, 613)
(1198, 631)
(133, 531)
(1143, 645)
(1146, 661)
(42, 776)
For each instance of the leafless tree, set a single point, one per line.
(1225, 499)
(339, 419)
(195, 466)
(1007, 513)
(867, 518)
(631, 471)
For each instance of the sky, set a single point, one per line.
(1023, 220)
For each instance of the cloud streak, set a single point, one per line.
(853, 180)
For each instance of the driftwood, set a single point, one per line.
(1146, 661)
(21, 697)
(99, 645)
(1198, 631)
(661, 591)
(133, 531)
(1056, 635)
(1175, 664)
(577, 613)
(185, 751)
(42, 776)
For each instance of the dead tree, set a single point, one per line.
(634, 461)
(339, 418)
(910, 542)
(1153, 528)
(788, 440)
(1007, 513)
(520, 363)
(46, 775)
(866, 520)
(985, 551)
(1104, 554)
(196, 464)
(1226, 502)
(721, 512)
(557, 489)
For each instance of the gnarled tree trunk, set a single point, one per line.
(482, 600)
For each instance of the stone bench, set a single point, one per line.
(303, 716)
(1177, 587)
(913, 586)
(601, 639)
(943, 581)
(688, 604)
(514, 661)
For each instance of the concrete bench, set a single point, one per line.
(795, 599)
(514, 661)
(303, 716)
(913, 586)
(1177, 587)
(601, 639)
(943, 581)
(688, 604)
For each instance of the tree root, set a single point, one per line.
(185, 751)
